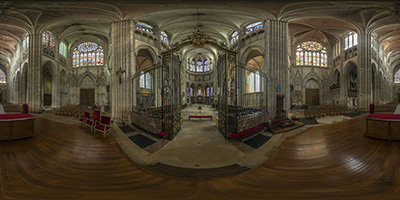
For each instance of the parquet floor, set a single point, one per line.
(327, 162)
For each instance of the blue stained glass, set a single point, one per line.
(2, 76)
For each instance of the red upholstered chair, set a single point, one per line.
(104, 126)
(92, 122)
(84, 118)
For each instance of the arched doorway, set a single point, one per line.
(87, 91)
(47, 84)
(312, 93)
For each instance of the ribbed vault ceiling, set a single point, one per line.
(323, 20)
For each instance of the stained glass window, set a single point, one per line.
(25, 43)
(350, 40)
(87, 54)
(199, 92)
(187, 92)
(191, 91)
(199, 66)
(208, 91)
(396, 76)
(212, 92)
(251, 83)
(144, 27)
(311, 53)
(48, 39)
(374, 43)
(63, 49)
(2, 77)
(234, 37)
(254, 27)
(206, 66)
(141, 80)
(193, 66)
(164, 37)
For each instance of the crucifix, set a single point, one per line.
(120, 72)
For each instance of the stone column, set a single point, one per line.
(34, 73)
(364, 73)
(123, 50)
(276, 63)
(55, 93)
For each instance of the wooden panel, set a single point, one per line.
(11, 130)
(5, 130)
(87, 97)
(395, 130)
(312, 97)
(47, 99)
(23, 129)
(378, 129)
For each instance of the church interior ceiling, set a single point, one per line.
(324, 20)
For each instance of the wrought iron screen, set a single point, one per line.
(171, 108)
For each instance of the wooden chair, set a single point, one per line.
(92, 122)
(104, 125)
(84, 118)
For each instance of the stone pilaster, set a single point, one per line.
(364, 70)
(123, 50)
(276, 63)
(34, 73)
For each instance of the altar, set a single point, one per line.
(200, 99)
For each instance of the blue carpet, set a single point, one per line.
(141, 141)
(257, 141)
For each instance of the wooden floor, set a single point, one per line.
(326, 162)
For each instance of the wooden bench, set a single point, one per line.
(247, 132)
(198, 116)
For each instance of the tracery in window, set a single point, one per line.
(164, 37)
(144, 27)
(63, 49)
(48, 39)
(2, 77)
(234, 37)
(206, 66)
(253, 27)
(88, 54)
(311, 53)
(193, 66)
(199, 66)
(350, 40)
(25, 43)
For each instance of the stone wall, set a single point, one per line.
(150, 124)
(244, 124)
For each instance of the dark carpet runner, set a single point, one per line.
(126, 129)
(308, 121)
(141, 141)
(257, 141)
(352, 114)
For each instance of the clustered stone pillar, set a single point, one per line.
(123, 51)
(364, 71)
(276, 63)
(34, 73)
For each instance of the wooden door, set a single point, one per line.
(87, 97)
(47, 100)
(312, 97)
